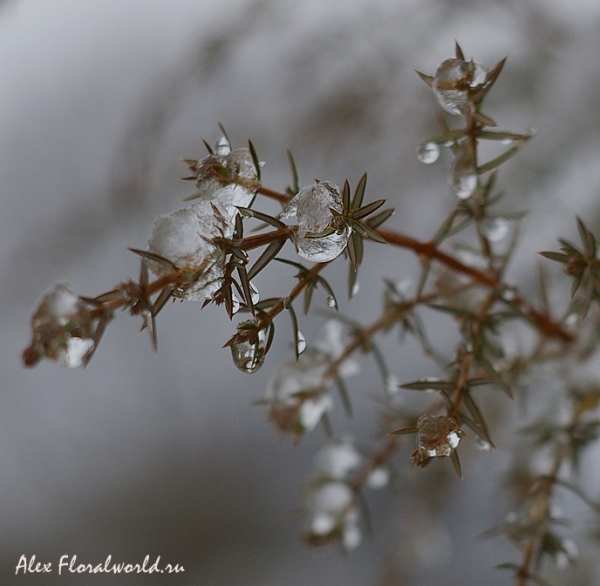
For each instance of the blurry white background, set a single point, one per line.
(162, 454)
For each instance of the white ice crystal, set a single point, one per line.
(185, 238)
(319, 238)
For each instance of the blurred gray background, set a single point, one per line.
(145, 454)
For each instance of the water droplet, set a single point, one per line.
(355, 288)
(249, 354)
(351, 536)
(506, 141)
(451, 83)
(300, 343)
(496, 229)
(482, 445)
(378, 478)
(235, 304)
(254, 293)
(323, 249)
(222, 146)
(331, 302)
(438, 435)
(509, 294)
(572, 319)
(428, 153)
(464, 185)
(392, 384)
(322, 524)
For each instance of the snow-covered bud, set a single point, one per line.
(298, 392)
(186, 238)
(453, 84)
(62, 330)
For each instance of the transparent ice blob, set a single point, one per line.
(249, 354)
(319, 238)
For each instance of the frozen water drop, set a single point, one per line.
(496, 229)
(355, 288)
(300, 343)
(428, 153)
(235, 304)
(464, 185)
(254, 293)
(506, 141)
(483, 445)
(331, 302)
(249, 354)
(322, 524)
(509, 294)
(378, 478)
(351, 536)
(392, 384)
(222, 146)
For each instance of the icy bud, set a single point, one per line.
(453, 84)
(186, 239)
(298, 391)
(437, 435)
(228, 177)
(62, 330)
(248, 347)
(337, 458)
(321, 235)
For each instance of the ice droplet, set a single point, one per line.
(254, 293)
(351, 536)
(331, 302)
(322, 524)
(300, 343)
(483, 445)
(378, 478)
(319, 238)
(235, 304)
(464, 185)
(249, 355)
(428, 153)
(496, 229)
(355, 288)
(222, 146)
